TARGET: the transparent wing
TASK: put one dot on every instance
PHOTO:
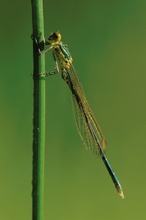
(87, 125)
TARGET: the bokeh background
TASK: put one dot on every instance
(107, 42)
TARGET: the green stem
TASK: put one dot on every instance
(39, 112)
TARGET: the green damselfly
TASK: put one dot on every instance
(87, 125)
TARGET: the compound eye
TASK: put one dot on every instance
(55, 37)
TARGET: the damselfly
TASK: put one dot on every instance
(87, 125)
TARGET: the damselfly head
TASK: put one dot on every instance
(55, 37)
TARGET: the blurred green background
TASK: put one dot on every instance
(107, 42)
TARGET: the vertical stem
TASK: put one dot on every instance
(39, 112)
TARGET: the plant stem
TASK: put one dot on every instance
(39, 112)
